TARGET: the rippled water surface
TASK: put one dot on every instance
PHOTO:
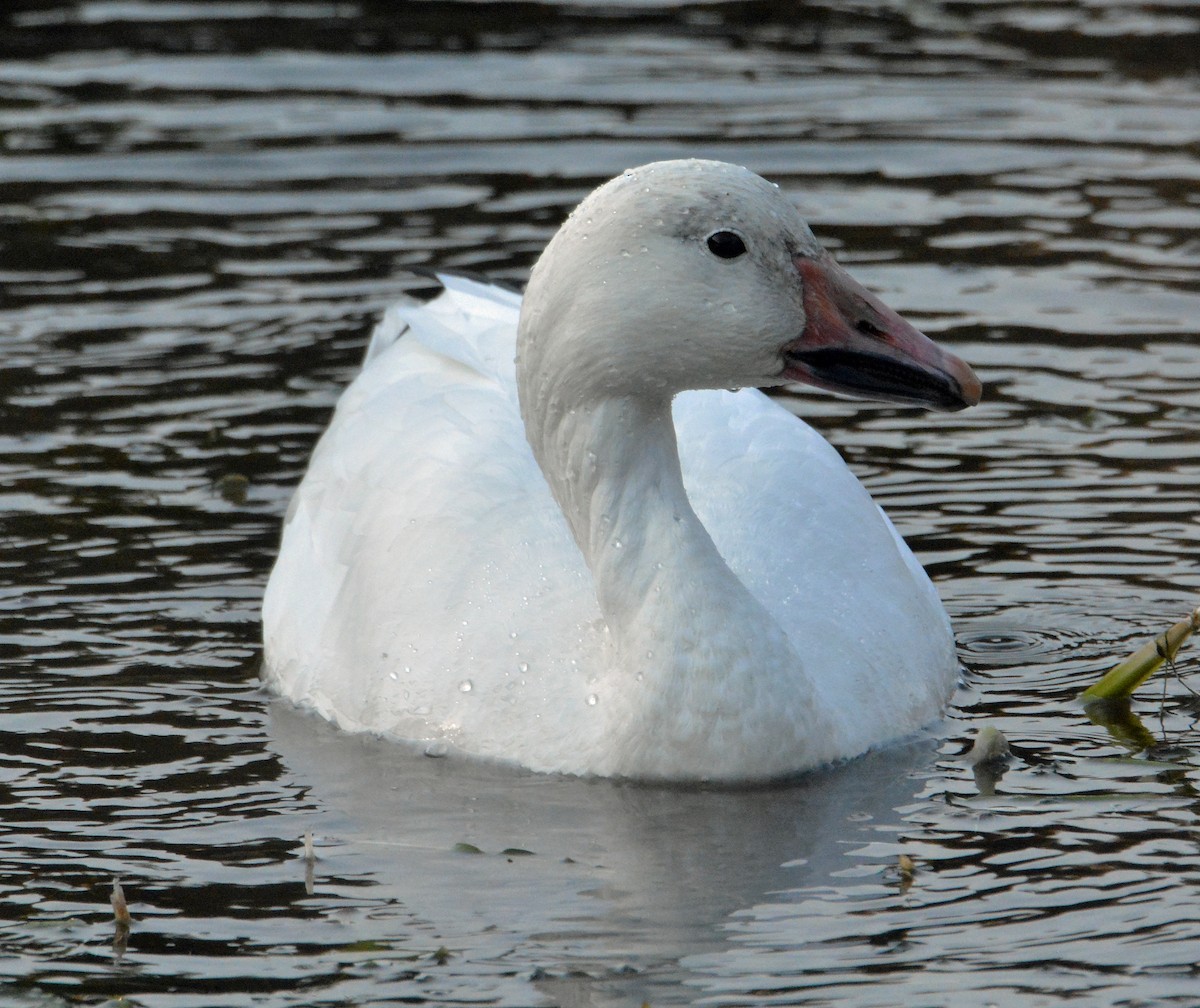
(203, 207)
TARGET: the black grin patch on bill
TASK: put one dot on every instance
(880, 377)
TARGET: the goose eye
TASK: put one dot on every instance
(726, 244)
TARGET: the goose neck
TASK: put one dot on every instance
(614, 469)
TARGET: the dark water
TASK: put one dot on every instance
(203, 207)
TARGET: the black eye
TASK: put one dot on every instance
(726, 244)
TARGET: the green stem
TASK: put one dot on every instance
(1121, 680)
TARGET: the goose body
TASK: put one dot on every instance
(545, 533)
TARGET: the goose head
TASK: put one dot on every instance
(699, 274)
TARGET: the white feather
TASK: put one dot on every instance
(429, 586)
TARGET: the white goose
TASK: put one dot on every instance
(535, 564)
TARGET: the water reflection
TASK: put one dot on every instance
(205, 207)
(658, 870)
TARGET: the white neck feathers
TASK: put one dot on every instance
(701, 672)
